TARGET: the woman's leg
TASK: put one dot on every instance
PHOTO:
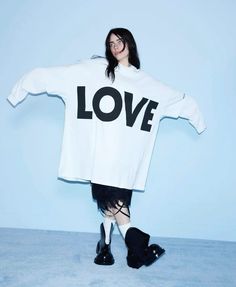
(122, 216)
(139, 251)
(108, 223)
(103, 250)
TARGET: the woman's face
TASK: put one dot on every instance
(116, 47)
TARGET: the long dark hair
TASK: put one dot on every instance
(128, 39)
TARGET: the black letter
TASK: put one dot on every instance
(111, 116)
(81, 113)
(148, 116)
(131, 116)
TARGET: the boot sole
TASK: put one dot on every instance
(104, 263)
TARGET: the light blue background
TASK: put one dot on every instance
(189, 45)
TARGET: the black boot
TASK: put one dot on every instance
(104, 255)
(139, 253)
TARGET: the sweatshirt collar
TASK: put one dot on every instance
(128, 70)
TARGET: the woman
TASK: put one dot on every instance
(112, 115)
(113, 201)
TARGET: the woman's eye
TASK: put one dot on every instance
(118, 42)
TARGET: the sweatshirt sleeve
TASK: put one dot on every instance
(186, 108)
(40, 80)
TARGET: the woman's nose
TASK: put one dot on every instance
(116, 46)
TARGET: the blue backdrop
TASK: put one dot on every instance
(189, 45)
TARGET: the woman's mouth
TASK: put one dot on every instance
(117, 53)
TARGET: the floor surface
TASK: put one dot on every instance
(36, 258)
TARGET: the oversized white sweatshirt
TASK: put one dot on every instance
(110, 128)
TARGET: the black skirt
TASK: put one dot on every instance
(109, 196)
